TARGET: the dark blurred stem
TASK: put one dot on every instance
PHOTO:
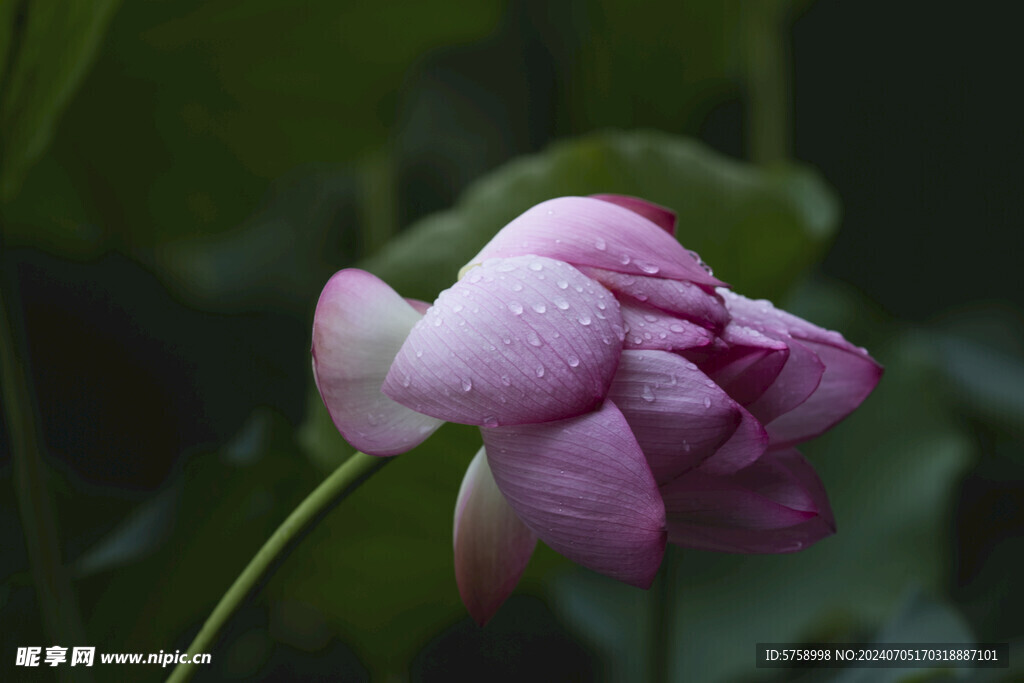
(57, 601)
(346, 479)
(663, 597)
(378, 203)
(768, 76)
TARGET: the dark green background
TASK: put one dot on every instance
(179, 179)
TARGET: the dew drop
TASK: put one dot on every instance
(561, 304)
(572, 360)
(536, 266)
(419, 353)
(505, 380)
(506, 340)
(467, 384)
(490, 421)
(650, 318)
(516, 308)
(601, 305)
(648, 394)
(707, 401)
(539, 307)
(600, 244)
(532, 339)
(648, 268)
(457, 307)
(584, 320)
(406, 380)
(625, 259)
(562, 284)
(506, 267)
(517, 286)
(578, 288)
(540, 371)
(686, 447)
(675, 327)
(437, 321)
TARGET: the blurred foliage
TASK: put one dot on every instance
(731, 213)
(46, 48)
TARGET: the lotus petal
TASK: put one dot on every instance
(492, 547)
(582, 485)
(359, 325)
(515, 341)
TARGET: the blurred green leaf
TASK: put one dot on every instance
(194, 106)
(46, 47)
(919, 620)
(890, 470)
(758, 228)
(224, 506)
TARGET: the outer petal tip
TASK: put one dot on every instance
(492, 546)
(359, 325)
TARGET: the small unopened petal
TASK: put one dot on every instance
(583, 486)
(359, 325)
(589, 232)
(492, 547)
(776, 505)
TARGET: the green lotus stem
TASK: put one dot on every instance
(343, 481)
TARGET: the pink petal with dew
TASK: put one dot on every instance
(849, 374)
(583, 486)
(679, 417)
(492, 547)
(776, 505)
(681, 298)
(659, 215)
(515, 341)
(590, 232)
(359, 325)
(650, 328)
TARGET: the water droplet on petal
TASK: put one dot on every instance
(506, 340)
(599, 244)
(406, 380)
(419, 353)
(573, 361)
(648, 394)
(516, 308)
(539, 307)
(490, 421)
(625, 259)
(601, 305)
(562, 284)
(707, 401)
(517, 286)
(584, 319)
(540, 370)
(648, 268)
(457, 307)
(562, 304)
(536, 266)
(505, 380)
(675, 327)
(467, 384)
(437, 321)
(532, 339)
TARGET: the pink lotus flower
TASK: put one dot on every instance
(625, 397)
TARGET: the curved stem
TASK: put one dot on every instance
(768, 82)
(343, 481)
